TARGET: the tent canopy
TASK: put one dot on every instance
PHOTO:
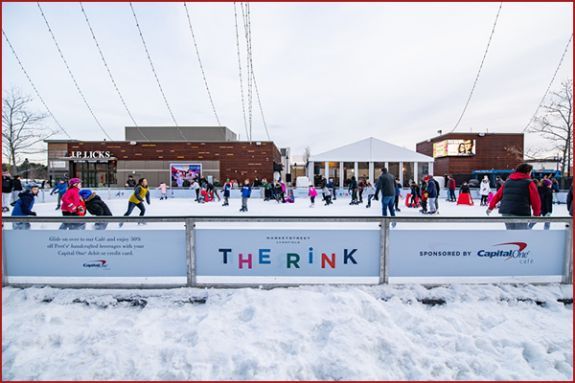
(370, 150)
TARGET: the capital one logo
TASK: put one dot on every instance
(97, 264)
(508, 251)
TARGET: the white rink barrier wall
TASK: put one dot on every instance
(281, 251)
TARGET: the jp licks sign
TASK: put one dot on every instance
(287, 253)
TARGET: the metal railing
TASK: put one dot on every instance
(385, 224)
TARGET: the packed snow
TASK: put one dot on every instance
(507, 332)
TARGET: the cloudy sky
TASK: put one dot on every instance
(328, 74)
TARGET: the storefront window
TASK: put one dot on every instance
(394, 169)
(348, 172)
(422, 169)
(407, 173)
(334, 172)
(363, 170)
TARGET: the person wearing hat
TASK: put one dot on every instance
(484, 190)
(95, 206)
(227, 188)
(73, 205)
(23, 206)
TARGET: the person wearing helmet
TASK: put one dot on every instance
(73, 205)
(23, 206)
(95, 206)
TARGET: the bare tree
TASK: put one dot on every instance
(555, 124)
(21, 128)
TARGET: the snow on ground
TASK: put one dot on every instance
(508, 332)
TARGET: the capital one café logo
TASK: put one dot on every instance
(508, 251)
(97, 264)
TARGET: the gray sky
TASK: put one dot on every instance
(329, 74)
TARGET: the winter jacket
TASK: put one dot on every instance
(437, 188)
(246, 191)
(163, 188)
(385, 184)
(352, 185)
(140, 193)
(484, 188)
(452, 184)
(432, 189)
(415, 190)
(518, 196)
(326, 192)
(24, 204)
(131, 183)
(60, 187)
(464, 189)
(499, 183)
(6, 185)
(312, 192)
(546, 196)
(96, 206)
(570, 200)
(227, 188)
(73, 203)
(397, 189)
(16, 184)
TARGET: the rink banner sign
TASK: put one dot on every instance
(96, 256)
(287, 256)
(432, 254)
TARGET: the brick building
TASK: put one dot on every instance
(157, 153)
(462, 153)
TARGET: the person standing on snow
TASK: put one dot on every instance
(431, 194)
(386, 184)
(227, 190)
(353, 190)
(246, 192)
(23, 206)
(163, 191)
(6, 191)
(398, 188)
(96, 207)
(452, 185)
(484, 190)
(137, 198)
(59, 188)
(73, 205)
(312, 193)
(518, 196)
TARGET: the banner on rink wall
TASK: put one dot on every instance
(430, 255)
(236, 256)
(95, 256)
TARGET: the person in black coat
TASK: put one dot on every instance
(16, 188)
(353, 190)
(95, 206)
(6, 191)
(570, 201)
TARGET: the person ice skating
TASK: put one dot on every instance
(452, 185)
(398, 194)
(73, 205)
(431, 195)
(327, 195)
(360, 187)
(545, 190)
(227, 191)
(195, 186)
(96, 207)
(353, 190)
(424, 195)
(498, 183)
(570, 201)
(331, 187)
(163, 190)
(213, 191)
(60, 188)
(6, 191)
(386, 185)
(16, 187)
(246, 192)
(312, 193)
(555, 190)
(414, 196)
(484, 190)
(518, 196)
(131, 182)
(465, 195)
(141, 193)
(23, 206)
(370, 190)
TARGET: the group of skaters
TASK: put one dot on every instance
(327, 189)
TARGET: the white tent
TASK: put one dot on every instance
(370, 150)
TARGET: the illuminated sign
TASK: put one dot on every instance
(454, 148)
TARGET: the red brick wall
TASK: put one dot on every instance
(238, 160)
(492, 152)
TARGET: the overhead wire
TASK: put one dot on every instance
(70, 72)
(201, 65)
(479, 71)
(109, 71)
(34, 86)
(550, 83)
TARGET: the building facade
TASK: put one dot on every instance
(110, 163)
(463, 153)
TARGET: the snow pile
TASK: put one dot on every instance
(314, 332)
